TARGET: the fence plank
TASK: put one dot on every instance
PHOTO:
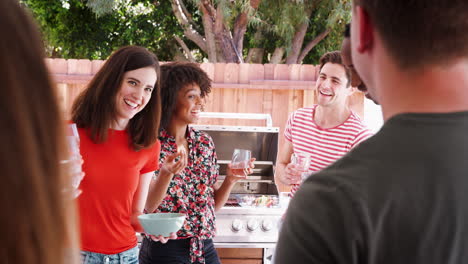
(209, 68)
(281, 72)
(82, 67)
(96, 66)
(307, 73)
(57, 66)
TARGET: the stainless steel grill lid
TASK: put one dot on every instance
(261, 141)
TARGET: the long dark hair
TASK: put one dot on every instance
(95, 107)
(34, 226)
(174, 77)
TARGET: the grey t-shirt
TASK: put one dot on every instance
(400, 197)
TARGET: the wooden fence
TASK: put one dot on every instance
(275, 89)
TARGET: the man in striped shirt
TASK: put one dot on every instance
(326, 131)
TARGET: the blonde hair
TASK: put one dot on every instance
(37, 220)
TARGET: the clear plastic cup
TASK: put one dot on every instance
(240, 159)
(301, 161)
(74, 160)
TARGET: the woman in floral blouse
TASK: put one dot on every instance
(192, 191)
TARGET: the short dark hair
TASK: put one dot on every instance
(421, 32)
(95, 107)
(174, 77)
(335, 57)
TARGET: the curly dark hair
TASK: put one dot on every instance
(174, 77)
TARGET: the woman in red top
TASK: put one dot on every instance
(117, 118)
(192, 191)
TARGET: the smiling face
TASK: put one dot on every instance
(189, 105)
(332, 85)
(134, 93)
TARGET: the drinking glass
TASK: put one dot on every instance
(240, 159)
(284, 198)
(301, 161)
(73, 162)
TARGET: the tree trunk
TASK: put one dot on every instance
(185, 48)
(312, 44)
(185, 22)
(277, 56)
(255, 55)
(298, 39)
(240, 26)
(225, 48)
(223, 39)
(179, 56)
(297, 42)
(208, 26)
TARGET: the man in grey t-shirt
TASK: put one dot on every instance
(401, 196)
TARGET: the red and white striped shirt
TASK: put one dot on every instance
(323, 145)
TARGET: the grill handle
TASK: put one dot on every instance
(266, 117)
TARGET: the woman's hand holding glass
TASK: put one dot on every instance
(241, 165)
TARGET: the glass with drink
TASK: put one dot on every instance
(73, 162)
(240, 159)
(301, 162)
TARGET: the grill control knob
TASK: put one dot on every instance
(236, 225)
(252, 224)
(267, 225)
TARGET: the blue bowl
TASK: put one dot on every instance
(161, 223)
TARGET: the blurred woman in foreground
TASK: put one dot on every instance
(37, 220)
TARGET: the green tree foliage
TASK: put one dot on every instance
(302, 30)
(72, 30)
(337, 13)
(280, 21)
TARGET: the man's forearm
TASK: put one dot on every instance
(279, 173)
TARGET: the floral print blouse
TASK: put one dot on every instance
(192, 191)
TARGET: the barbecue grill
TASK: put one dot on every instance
(250, 218)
